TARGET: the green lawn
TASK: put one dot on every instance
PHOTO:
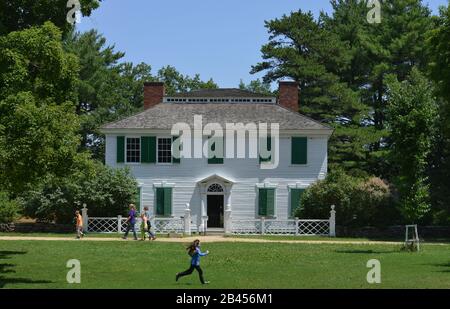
(42, 264)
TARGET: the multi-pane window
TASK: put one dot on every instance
(164, 150)
(133, 149)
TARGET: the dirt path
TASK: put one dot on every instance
(205, 239)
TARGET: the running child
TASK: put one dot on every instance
(195, 253)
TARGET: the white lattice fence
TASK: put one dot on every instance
(246, 227)
(277, 227)
(314, 227)
(168, 225)
(282, 227)
(119, 225)
(103, 224)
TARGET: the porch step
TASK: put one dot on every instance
(215, 231)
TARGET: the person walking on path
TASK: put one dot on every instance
(131, 220)
(79, 224)
(144, 226)
(195, 253)
(151, 236)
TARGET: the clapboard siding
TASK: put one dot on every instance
(245, 172)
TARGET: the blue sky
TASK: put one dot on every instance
(218, 39)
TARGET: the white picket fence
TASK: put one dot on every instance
(262, 226)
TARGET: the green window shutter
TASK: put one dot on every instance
(270, 202)
(167, 201)
(160, 201)
(138, 199)
(148, 149)
(175, 152)
(299, 150)
(120, 149)
(214, 160)
(296, 195)
(269, 147)
(262, 202)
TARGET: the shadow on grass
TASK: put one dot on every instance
(445, 266)
(5, 268)
(365, 251)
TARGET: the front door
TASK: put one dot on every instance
(215, 210)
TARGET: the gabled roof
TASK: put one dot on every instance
(164, 115)
(217, 177)
(218, 93)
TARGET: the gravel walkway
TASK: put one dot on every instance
(205, 239)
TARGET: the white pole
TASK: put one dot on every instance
(227, 219)
(84, 214)
(119, 224)
(332, 222)
(187, 220)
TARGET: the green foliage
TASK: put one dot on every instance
(34, 60)
(9, 209)
(412, 112)
(439, 70)
(16, 15)
(301, 48)
(256, 86)
(106, 192)
(341, 62)
(37, 121)
(106, 90)
(358, 202)
(175, 82)
(36, 139)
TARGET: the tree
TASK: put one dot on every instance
(392, 47)
(303, 49)
(16, 15)
(256, 86)
(177, 82)
(34, 60)
(438, 44)
(412, 113)
(106, 89)
(38, 125)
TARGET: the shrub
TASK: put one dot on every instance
(105, 191)
(9, 209)
(359, 202)
(373, 203)
(336, 189)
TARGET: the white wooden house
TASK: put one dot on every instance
(217, 190)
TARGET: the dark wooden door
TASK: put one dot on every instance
(215, 210)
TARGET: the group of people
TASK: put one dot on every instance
(193, 249)
(145, 224)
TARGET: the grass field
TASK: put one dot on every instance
(42, 264)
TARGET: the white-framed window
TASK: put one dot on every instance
(133, 149)
(164, 152)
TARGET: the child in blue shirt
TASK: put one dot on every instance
(195, 253)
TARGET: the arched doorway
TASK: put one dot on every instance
(215, 205)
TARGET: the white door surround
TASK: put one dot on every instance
(215, 185)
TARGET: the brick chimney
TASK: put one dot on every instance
(288, 95)
(153, 94)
